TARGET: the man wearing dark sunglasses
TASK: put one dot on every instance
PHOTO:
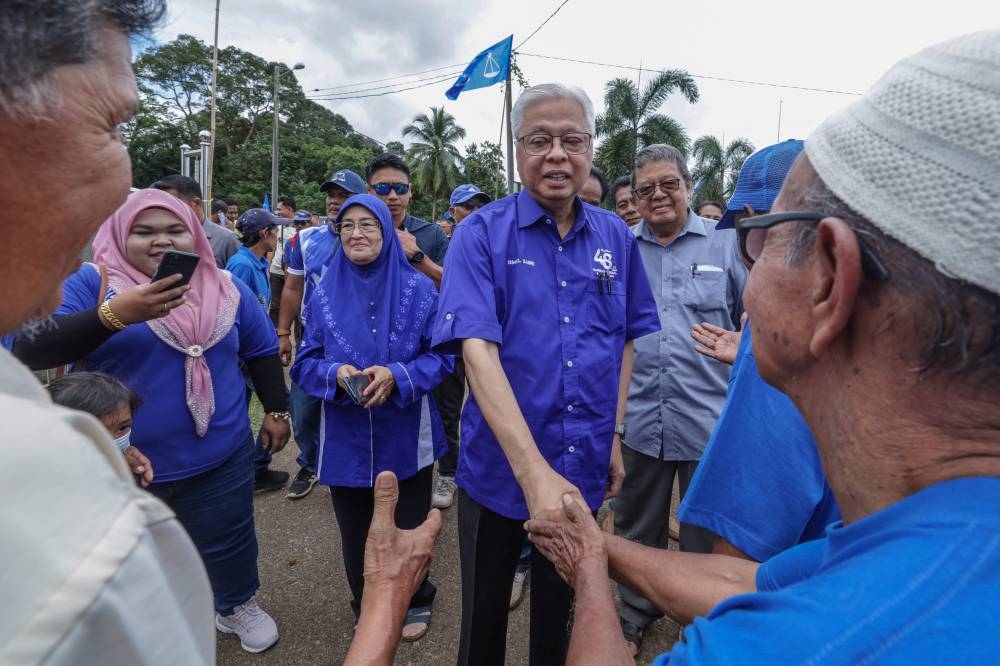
(425, 244)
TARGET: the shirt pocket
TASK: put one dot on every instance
(706, 291)
(606, 311)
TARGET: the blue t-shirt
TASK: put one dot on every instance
(308, 258)
(560, 311)
(760, 484)
(915, 583)
(252, 272)
(163, 428)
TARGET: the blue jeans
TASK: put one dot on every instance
(216, 509)
(524, 561)
(306, 411)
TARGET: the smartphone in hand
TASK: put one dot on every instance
(175, 261)
(354, 385)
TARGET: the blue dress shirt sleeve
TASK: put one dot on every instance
(641, 316)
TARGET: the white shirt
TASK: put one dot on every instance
(93, 570)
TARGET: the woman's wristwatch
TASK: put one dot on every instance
(620, 431)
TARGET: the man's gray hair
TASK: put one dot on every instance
(547, 91)
(42, 35)
(661, 152)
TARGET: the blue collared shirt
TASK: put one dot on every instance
(252, 271)
(560, 328)
(676, 394)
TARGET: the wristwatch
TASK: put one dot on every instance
(417, 257)
(620, 430)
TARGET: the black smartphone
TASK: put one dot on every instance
(175, 261)
(355, 385)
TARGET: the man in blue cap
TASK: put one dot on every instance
(761, 452)
(465, 200)
(307, 260)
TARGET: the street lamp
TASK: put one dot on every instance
(274, 137)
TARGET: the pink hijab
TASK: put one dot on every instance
(211, 305)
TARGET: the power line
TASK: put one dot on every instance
(387, 92)
(390, 78)
(335, 95)
(542, 25)
(696, 76)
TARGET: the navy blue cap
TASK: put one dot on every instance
(256, 219)
(346, 180)
(760, 180)
(447, 215)
(463, 193)
(302, 215)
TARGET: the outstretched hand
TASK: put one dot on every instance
(569, 543)
(718, 343)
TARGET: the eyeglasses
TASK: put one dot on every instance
(540, 143)
(383, 189)
(368, 227)
(666, 186)
(752, 233)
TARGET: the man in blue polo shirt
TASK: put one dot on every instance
(542, 295)
(306, 264)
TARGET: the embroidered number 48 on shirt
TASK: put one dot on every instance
(603, 257)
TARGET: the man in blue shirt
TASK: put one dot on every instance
(876, 312)
(761, 451)
(676, 394)
(306, 264)
(542, 296)
(250, 263)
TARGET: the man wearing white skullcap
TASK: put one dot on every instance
(875, 305)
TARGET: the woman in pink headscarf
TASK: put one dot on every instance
(180, 348)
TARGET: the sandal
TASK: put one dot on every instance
(633, 637)
(418, 621)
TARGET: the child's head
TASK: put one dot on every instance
(102, 395)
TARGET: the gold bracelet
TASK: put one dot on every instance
(281, 416)
(110, 317)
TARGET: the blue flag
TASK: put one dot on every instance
(267, 202)
(489, 67)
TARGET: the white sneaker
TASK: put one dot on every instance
(517, 589)
(256, 629)
(444, 492)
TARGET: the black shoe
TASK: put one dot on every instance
(269, 479)
(633, 637)
(303, 484)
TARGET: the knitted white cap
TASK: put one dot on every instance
(919, 156)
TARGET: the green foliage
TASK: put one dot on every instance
(484, 166)
(631, 120)
(433, 157)
(716, 169)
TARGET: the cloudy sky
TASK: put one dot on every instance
(350, 46)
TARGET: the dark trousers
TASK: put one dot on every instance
(354, 508)
(449, 396)
(216, 509)
(642, 514)
(277, 286)
(489, 548)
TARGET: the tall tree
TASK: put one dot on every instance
(717, 167)
(484, 167)
(433, 155)
(631, 119)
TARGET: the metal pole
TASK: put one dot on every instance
(185, 168)
(274, 144)
(780, 103)
(510, 138)
(211, 127)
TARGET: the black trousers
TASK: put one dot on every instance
(277, 286)
(489, 546)
(449, 396)
(354, 508)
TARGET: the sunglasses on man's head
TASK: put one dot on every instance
(383, 189)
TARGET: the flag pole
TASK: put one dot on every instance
(207, 187)
(510, 134)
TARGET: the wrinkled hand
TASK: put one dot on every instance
(285, 349)
(345, 371)
(397, 561)
(616, 470)
(381, 386)
(543, 493)
(140, 465)
(274, 433)
(148, 301)
(569, 543)
(718, 343)
(408, 241)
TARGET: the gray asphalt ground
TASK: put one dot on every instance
(303, 586)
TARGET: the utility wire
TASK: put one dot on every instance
(696, 76)
(390, 78)
(542, 25)
(336, 95)
(387, 92)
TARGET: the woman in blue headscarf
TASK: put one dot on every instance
(371, 315)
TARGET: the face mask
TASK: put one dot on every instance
(123, 442)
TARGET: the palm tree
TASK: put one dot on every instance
(716, 168)
(631, 119)
(434, 155)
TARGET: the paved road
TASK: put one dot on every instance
(304, 587)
